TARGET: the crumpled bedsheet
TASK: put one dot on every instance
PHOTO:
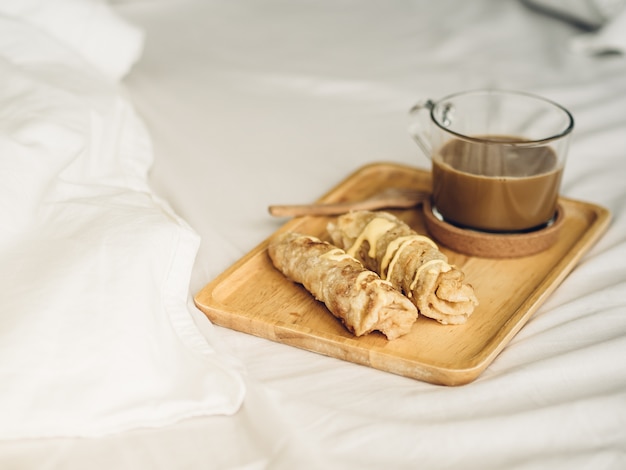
(96, 334)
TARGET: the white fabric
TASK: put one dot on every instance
(255, 102)
(95, 333)
(590, 14)
(88, 27)
(611, 38)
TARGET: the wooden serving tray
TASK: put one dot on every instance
(253, 297)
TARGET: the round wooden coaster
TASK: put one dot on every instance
(492, 245)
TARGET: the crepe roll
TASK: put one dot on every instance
(356, 296)
(410, 261)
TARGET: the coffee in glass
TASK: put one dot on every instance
(497, 158)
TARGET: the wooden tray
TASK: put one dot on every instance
(253, 297)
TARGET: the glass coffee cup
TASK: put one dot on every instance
(497, 158)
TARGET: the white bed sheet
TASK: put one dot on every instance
(251, 103)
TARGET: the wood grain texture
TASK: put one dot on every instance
(253, 297)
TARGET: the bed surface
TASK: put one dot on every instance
(248, 104)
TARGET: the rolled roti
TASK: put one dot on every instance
(411, 262)
(353, 294)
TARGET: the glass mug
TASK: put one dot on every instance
(497, 158)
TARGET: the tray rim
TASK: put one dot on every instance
(219, 313)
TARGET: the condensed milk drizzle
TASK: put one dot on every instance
(376, 228)
(395, 248)
(336, 254)
(371, 233)
(445, 267)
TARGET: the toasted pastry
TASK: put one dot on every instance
(355, 295)
(410, 261)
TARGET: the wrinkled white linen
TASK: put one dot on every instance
(611, 38)
(95, 333)
(251, 103)
(604, 22)
(281, 102)
(88, 27)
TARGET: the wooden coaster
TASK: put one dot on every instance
(492, 245)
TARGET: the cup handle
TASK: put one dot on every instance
(418, 128)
